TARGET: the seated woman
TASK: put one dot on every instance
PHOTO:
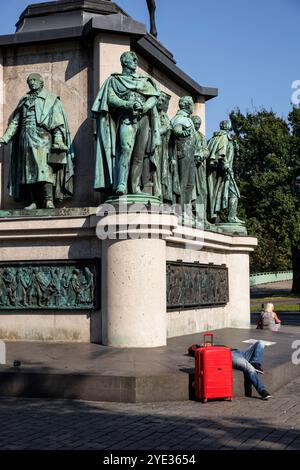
(269, 319)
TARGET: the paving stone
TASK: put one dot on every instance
(34, 424)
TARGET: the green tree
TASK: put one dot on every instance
(266, 168)
(294, 120)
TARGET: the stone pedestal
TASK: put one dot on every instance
(134, 280)
(133, 250)
(134, 300)
(232, 228)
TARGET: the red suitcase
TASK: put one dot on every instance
(213, 372)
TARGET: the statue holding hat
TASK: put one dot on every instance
(42, 158)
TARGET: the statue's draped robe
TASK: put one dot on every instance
(32, 129)
(108, 120)
(182, 150)
(220, 184)
(163, 177)
(200, 190)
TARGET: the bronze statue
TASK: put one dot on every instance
(162, 178)
(223, 192)
(200, 196)
(184, 150)
(152, 7)
(127, 129)
(42, 167)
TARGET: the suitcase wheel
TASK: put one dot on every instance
(204, 400)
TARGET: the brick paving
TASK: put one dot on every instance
(38, 424)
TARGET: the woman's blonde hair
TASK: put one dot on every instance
(269, 307)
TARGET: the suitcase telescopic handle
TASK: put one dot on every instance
(211, 339)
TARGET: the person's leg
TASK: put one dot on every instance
(127, 139)
(255, 354)
(48, 195)
(183, 179)
(233, 200)
(240, 363)
(139, 154)
(146, 176)
(31, 191)
(191, 181)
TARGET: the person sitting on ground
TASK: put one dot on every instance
(269, 319)
(250, 362)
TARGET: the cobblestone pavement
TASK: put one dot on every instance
(245, 423)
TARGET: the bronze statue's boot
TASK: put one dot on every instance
(208, 225)
(232, 217)
(48, 196)
(123, 177)
(139, 191)
(148, 188)
(50, 205)
(121, 189)
(33, 204)
(135, 178)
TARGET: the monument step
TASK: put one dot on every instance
(99, 373)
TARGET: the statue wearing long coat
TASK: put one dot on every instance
(36, 123)
(220, 179)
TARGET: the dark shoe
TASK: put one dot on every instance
(265, 395)
(258, 368)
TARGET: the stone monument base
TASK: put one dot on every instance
(128, 199)
(139, 300)
(96, 373)
(232, 228)
(39, 213)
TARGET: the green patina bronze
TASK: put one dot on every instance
(162, 179)
(200, 189)
(48, 286)
(142, 199)
(128, 131)
(42, 167)
(223, 192)
(184, 152)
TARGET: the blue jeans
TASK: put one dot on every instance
(243, 361)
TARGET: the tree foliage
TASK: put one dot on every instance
(266, 168)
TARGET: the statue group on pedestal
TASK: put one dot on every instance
(139, 149)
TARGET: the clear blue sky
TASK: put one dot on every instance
(247, 49)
